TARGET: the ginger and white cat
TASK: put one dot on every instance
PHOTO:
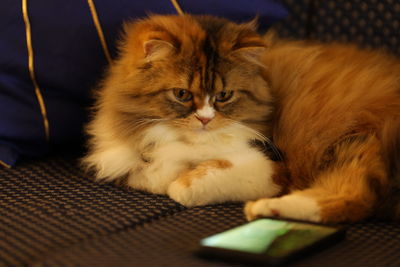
(180, 110)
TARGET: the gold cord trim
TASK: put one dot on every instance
(2, 163)
(32, 70)
(177, 7)
(99, 30)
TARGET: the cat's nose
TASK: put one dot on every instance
(204, 120)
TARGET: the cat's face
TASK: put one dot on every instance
(198, 74)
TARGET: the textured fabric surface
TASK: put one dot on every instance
(297, 24)
(366, 244)
(52, 214)
(369, 23)
(172, 240)
(51, 204)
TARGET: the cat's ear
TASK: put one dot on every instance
(252, 24)
(251, 52)
(156, 49)
(249, 45)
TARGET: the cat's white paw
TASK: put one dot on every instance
(290, 206)
(199, 186)
(183, 194)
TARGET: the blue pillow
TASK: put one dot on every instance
(68, 59)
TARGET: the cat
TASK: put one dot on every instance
(337, 124)
(182, 109)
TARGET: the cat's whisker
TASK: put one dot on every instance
(259, 135)
(179, 123)
(146, 121)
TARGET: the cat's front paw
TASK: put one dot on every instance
(198, 186)
(183, 194)
(290, 206)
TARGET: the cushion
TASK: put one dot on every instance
(45, 108)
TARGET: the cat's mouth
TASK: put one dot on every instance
(196, 126)
(200, 128)
(203, 128)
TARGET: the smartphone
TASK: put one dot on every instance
(270, 241)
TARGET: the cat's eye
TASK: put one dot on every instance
(224, 96)
(183, 95)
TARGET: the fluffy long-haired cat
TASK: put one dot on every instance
(182, 108)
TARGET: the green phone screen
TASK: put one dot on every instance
(274, 238)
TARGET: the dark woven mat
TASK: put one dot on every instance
(171, 241)
(50, 204)
(52, 215)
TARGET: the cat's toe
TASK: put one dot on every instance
(257, 209)
(182, 194)
(248, 210)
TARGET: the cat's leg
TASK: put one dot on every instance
(159, 167)
(300, 205)
(323, 202)
(243, 177)
(347, 192)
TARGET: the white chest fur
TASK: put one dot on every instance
(156, 161)
(164, 152)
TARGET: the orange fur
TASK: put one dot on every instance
(332, 103)
(201, 170)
